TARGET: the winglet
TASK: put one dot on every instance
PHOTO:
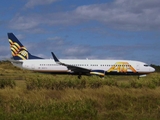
(55, 58)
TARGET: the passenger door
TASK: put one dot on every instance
(137, 66)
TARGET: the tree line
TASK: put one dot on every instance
(157, 67)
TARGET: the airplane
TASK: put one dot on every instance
(23, 59)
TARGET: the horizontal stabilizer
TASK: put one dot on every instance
(14, 61)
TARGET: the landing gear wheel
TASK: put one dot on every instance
(79, 76)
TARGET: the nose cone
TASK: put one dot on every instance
(151, 69)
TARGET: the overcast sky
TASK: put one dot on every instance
(94, 29)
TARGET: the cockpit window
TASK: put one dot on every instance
(146, 65)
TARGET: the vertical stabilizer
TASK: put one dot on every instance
(19, 52)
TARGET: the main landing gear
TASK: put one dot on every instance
(79, 76)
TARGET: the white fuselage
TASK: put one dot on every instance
(109, 66)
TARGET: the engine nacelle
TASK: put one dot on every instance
(98, 72)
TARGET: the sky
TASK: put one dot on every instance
(80, 29)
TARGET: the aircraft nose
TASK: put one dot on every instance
(151, 69)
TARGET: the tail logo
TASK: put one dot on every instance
(18, 51)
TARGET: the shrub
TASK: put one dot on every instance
(136, 84)
(7, 83)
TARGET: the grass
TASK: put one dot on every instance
(45, 97)
(102, 103)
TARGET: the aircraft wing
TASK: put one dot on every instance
(71, 67)
(80, 70)
(76, 69)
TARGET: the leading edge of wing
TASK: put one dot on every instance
(71, 67)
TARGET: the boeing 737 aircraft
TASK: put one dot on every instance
(23, 59)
